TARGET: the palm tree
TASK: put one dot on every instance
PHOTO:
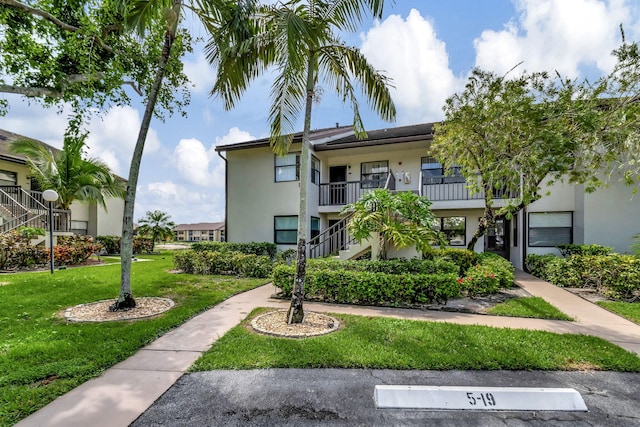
(401, 219)
(157, 225)
(140, 15)
(300, 38)
(72, 175)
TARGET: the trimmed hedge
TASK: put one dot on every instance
(364, 287)
(615, 276)
(253, 248)
(393, 266)
(400, 282)
(227, 262)
(592, 249)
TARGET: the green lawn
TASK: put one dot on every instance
(383, 343)
(535, 307)
(629, 310)
(42, 356)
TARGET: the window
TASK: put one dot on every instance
(374, 174)
(315, 170)
(315, 226)
(434, 173)
(288, 167)
(80, 227)
(549, 229)
(285, 230)
(8, 178)
(454, 228)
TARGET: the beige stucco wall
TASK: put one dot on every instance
(611, 217)
(101, 222)
(254, 197)
(22, 172)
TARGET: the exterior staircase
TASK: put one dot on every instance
(21, 208)
(336, 241)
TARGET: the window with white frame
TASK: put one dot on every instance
(549, 229)
(454, 229)
(287, 167)
(285, 229)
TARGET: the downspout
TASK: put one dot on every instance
(226, 196)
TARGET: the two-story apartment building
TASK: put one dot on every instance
(21, 201)
(262, 196)
(202, 231)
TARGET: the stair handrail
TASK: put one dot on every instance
(21, 220)
(15, 202)
(390, 179)
(321, 238)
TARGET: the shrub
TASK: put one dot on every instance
(480, 280)
(111, 244)
(593, 249)
(463, 258)
(615, 276)
(394, 266)
(499, 266)
(537, 264)
(253, 248)
(227, 262)
(364, 287)
(16, 251)
(71, 250)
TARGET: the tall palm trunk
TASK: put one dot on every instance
(125, 299)
(296, 311)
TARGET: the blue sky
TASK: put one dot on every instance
(426, 47)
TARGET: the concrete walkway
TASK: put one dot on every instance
(126, 390)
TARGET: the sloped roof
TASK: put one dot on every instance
(317, 136)
(344, 137)
(6, 138)
(200, 226)
(420, 132)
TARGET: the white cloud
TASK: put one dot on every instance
(113, 136)
(410, 52)
(562, 35)
(201, 166)
(234, 135)
(182, 203)
(200, 73)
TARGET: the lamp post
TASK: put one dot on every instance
(50, 196)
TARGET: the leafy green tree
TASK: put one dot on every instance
(78, 53)
(157, 225)
(69, 172)
(401, 219)
(301, 39)
(225, 17)
(509, 135)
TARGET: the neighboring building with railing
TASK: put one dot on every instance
(21, 202)
(262, 196)
(202, 231)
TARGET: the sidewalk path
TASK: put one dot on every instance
(126, 390)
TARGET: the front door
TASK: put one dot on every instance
(497, 238)
(337, 185)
